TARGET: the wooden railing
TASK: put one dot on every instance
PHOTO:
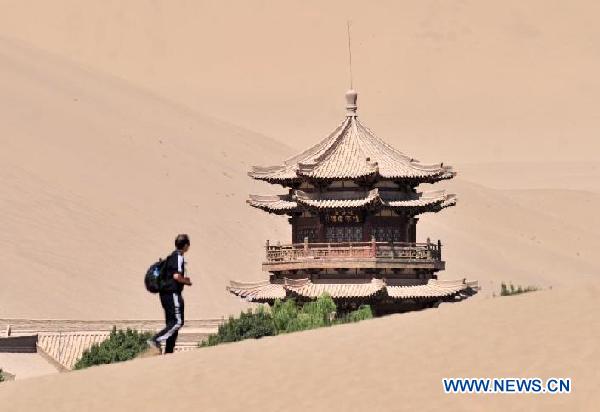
(385, 250)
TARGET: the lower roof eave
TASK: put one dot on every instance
(267, 292)
(260, 292)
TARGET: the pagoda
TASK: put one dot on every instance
(353, 203)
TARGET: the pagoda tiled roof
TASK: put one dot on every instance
(267, 292)
(351, 151)
(420, 201)
(273, 203)
(306, 288)
(324, 202)
(433, 288)
(262, 291)
(67, 347)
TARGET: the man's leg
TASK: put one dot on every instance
(166, 300)
(173, 305)
(170, 344)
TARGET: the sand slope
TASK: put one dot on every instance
(109, 147)
(545, 237)
(453, 81)
(392, 363)
(26, 365)
(535, 175)
(98, 176)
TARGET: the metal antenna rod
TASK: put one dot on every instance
(349, 52)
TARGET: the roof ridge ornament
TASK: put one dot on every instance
(351, 94)
(351, 107)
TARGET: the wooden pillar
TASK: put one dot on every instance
(412, 229)
(294, 221)
(321, 231)
(406, 229)
(367, 228)
(373, 247)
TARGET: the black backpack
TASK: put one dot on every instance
(154, 276)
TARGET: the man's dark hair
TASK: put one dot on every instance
(181, 241)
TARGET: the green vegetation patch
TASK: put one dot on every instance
(120, 346)
(284, 317)
(1, 376)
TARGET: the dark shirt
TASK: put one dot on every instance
(175, 264)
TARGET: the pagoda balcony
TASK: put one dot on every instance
(353, 255)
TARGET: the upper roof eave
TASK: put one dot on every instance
(289, 179)
(432, 201)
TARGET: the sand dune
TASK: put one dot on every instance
(97, 178)
(124, 123)
(26, 365)
(392, 363)
(583, 176)
(532, 237)
(98, 175)
(460, 81)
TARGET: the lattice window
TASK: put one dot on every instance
(344, 233)
(388, 234)
(310, 232)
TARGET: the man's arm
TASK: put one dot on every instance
(178, 276)
(182, 279)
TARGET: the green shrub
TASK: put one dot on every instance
(1, 376)
(284, 312)
(362, 313)
(509, 290)
(284, 317)
(250, 324)
(311, 315)
(120, 346)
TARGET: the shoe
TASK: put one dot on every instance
(153, 349)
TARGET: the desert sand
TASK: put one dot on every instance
(91, 165)
(462, 80)
(122, 124)
(392, 363)
(26, 365)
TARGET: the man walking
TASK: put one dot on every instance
(173, 281)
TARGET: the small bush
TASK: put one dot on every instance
(249, 325)
(120, 346)
(362, 313)
(311, 315)
(1, 376)
(284, 317)
(284, 312)
(510, 289)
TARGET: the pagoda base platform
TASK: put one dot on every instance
(383, 296)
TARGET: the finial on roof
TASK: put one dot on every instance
(351, 97)
(349, 54)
